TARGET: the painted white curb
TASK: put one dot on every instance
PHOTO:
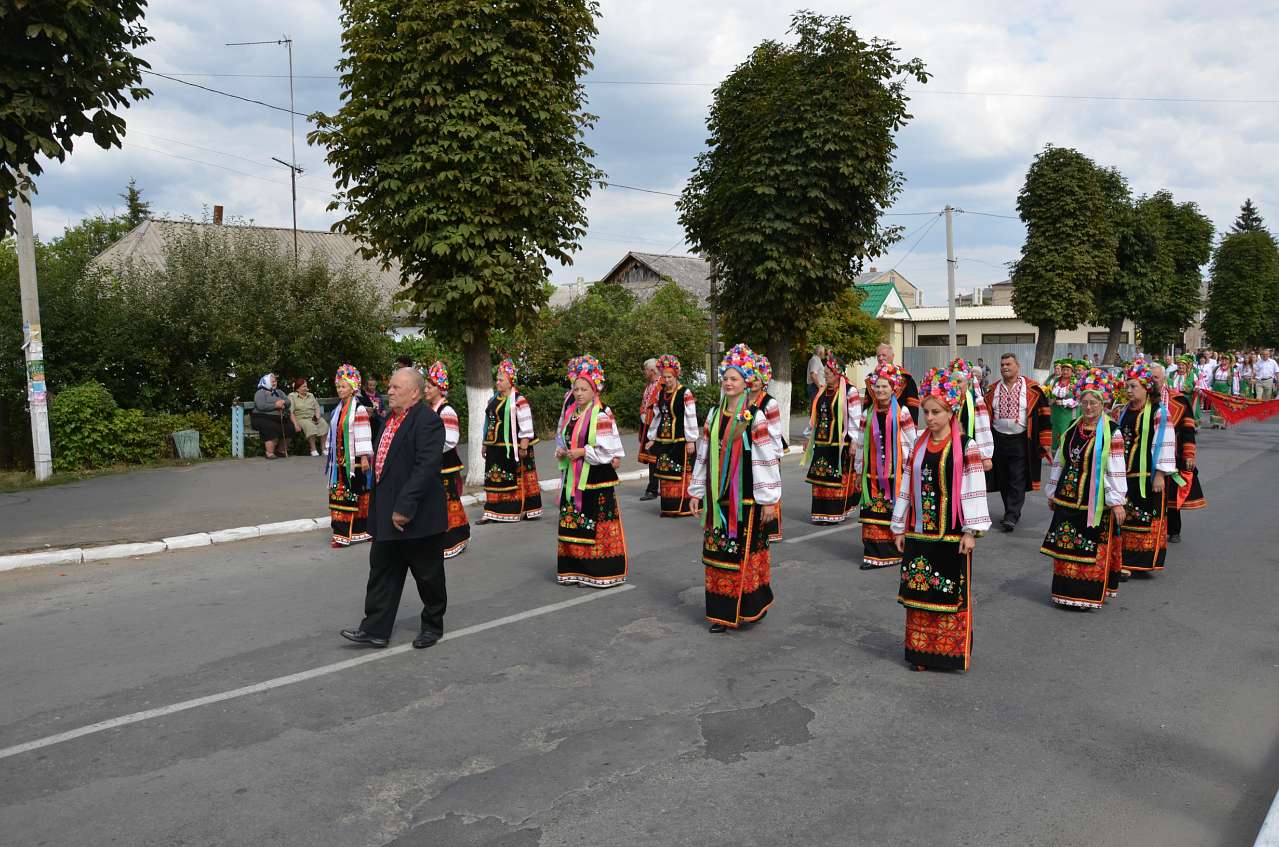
(73, 556)
(288, 527)
(236, 533)
(123, 551)
(1269, 835)
(77, 555)
(183, 542)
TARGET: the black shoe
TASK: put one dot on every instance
(1008, 526)
(867, 567)
(1174, 539)
(425, 639)
(718, 627)
(648, 495)
(359, 636)
(483, 521)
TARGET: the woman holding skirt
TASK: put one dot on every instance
(1151, 457)
(458, 534)
(737, 477)
(592, 543)
(936, 522)
(1061, 397)
(886, 435)
(759, 397)
(832, 422)
(1087, 489)
(349, 461)
(511, 489)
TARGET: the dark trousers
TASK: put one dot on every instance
(389, 564)
(1173, 514)
(1010, 472)
(652, 479)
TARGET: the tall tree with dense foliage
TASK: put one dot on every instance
(458, 153)
(786, 202)
(1249, 219)
(1071, 245)
(1242, 290)
(136, 210)
(66, 69)
(1186, 233)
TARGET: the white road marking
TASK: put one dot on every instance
(831, 531)
(301, 676)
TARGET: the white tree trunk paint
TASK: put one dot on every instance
(477, 398)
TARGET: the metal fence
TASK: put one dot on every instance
(919, 360)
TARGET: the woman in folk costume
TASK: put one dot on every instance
(592, 544)
(1225, 380)
(648, 411)
(672, 437)
(348, 464)
(1150, 444)
(1186, 492)
(1087, 489)
(886, 436)
(511, 489)
(458, 534)
(973, 415)
(936, 523)
(759, 397)
(1061, 397)
(738, 477)
(832, 427)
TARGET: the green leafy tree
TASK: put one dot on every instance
(1071, 246)
(1243, 280)
(786, 202)
(66, 71)
(1186, 233)
(136, 210)
(458, 153)
(1249, 219)
(842, 326)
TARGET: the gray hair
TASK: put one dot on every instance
(650, 363)
(416, 380)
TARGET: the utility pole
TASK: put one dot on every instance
(32, 343)
(294, 170)
(950, 279)
(292, 164)
(712, 374)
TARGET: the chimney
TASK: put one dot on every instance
(217, 216)
(979, 295)
(874, 269)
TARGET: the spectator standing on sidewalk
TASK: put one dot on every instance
(308, 417)
(271, 417)
(816, 372)
(407, 515)
(1265, 372)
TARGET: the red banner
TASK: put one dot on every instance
(1235, 410)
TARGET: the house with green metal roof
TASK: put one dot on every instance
(882, 301)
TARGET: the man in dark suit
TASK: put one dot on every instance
(407, 516)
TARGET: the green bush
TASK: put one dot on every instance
(547, 402)
(215, 433)
(82, 427)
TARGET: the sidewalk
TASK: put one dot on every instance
(147, 505)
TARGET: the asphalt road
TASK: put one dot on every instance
(620, 720)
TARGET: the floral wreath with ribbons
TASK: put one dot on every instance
(667, 362)
(739, 358)
(438, 375)
(348, 374)
(586, 367)
(940, 383)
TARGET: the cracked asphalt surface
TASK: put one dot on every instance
(622, 721)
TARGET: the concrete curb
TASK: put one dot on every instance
(86, 555)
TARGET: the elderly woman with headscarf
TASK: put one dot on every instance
(308, 417)
(272, 417)
(592, 543)
(349, 462)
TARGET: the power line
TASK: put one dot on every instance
(198, 147)
(633, 188)
(988, 214)
(926, 229)
(221, 167)
(226, 94)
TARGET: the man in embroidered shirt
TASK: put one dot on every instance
(1263, 375)
(1013, 404)
(407, 516)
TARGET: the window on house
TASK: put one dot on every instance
(961, 339)
(1104, 338)
(1007, 338)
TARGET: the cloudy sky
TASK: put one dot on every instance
(1173, 93)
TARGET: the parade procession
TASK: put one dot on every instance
(911, 461)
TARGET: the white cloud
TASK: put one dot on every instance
(968, 150)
